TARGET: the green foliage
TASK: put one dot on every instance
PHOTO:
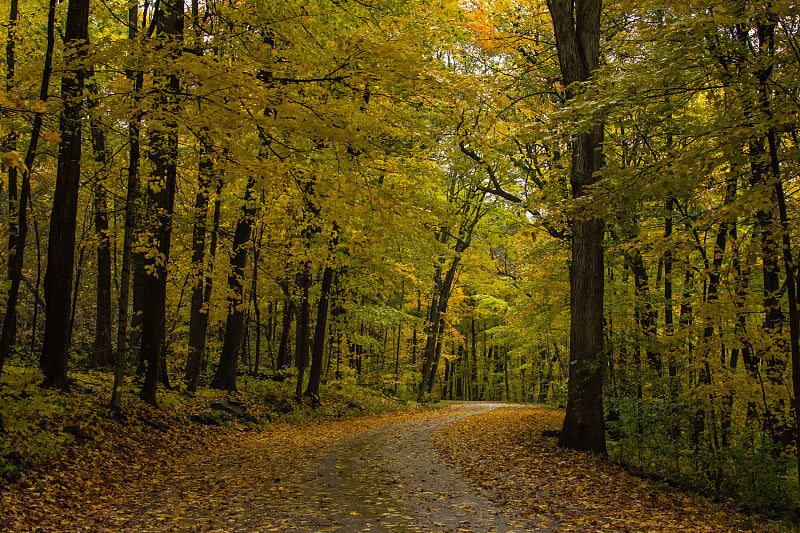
(660, 437)
(32, 423)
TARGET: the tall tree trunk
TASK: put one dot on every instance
(254, 298)
(161, 198)
(320, 330)
(63, 218)
(669, 318)
(433, 347)
(198, 312)
(646, 313)
(577, 31)
(131, 199)
(131, 221)
(302, 326)
(11, 145)
(18, 228)
(103, 352)
(284, 357)
(225, 377)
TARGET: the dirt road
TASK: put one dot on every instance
(383, 478)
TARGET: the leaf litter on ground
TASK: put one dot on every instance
(171, 474)
(506, 453)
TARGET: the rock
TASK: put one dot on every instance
(207, 419)
(14, 455)
(283, 407)
(78, 432)
(352, 404)
(230, 409)
(237, 409)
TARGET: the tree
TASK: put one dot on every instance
(225, 377)
(161, 194)
(19, 200)
(61, 247)
(577, 29)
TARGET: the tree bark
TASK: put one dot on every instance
(161, 198)
(198, 312)
(131, 199)
(103, 352)
(11, 144)
(225, 377)
(302, 326)
(18, 229)
(284, 357)
(63, 218)
(439, 303)
(320, 330)
(577, 31)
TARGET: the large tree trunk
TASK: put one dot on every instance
(225, 377)
(433, 346)
(577, 31)
(161, 199)
(63, 218)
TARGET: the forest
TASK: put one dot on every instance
(587, 204)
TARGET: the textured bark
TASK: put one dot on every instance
(577, 31)
(63, 218)
(198, 312)
(161, 200)
(320, 330)
(225, 377)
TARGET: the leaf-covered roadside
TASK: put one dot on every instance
(505, 453)
(76, 458)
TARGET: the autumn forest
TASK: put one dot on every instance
(587, 204)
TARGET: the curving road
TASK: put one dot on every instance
(387, 478)
(391, 479)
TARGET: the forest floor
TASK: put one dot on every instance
(468, 467)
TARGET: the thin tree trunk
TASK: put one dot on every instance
(18, 229)
(254, 298)
(302, 327)
(198, 313)
(103, 352)
(284, 357)
(132, 196)
(320, 330)
(225, 377)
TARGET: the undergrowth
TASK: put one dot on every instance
(39, 426)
